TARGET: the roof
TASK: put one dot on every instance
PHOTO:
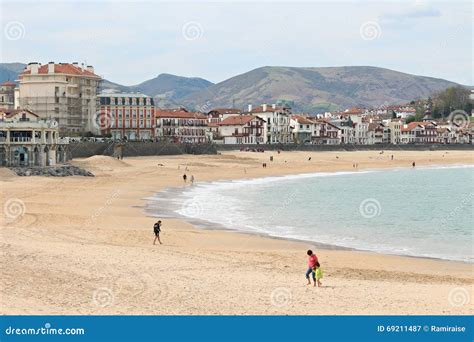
(302, 120)
(354, 111)
(414, 124)
(10, 113)
(63, 68)
(226, 111)
(238, 120)
(8, 84)
(178, 113)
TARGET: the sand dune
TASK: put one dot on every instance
(82, 245)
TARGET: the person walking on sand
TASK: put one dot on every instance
(192, 179)
(157, 230)
(185, 177)
(312, 262)
(413, 164)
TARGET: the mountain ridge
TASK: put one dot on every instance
(306, 89)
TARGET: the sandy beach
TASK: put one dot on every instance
(83, 245)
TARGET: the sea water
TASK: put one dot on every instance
(426, 212)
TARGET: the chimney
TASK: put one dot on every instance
(274, 106)
(82, 66)
(33, 66)
(250, 107)
(264, 107)
(51, 68)
(90, 68)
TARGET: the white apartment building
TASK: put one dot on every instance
(241, 129)
(277, 123)
(302, 128)
(64, 92)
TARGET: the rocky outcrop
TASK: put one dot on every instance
(52, 171)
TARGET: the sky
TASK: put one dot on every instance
(129, 42)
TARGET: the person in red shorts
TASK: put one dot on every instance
(312, 263)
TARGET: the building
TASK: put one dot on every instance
(66, 93)
(7, 95)
(419, 133)
(277, 123)
(376, 133)
(326, 133)
(242, 129)
(219, 114)
(181, 126)
(395, 127)
(27, 140)
(126, 116)
(302, 128)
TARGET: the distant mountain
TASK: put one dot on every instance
(317, 89)
(171, 86)
(304, 89)
(10, 71)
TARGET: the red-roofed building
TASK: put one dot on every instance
(241, 129)
(180, 126)
(64, 92)
(416, 132)
(128, 116)
(302, 128)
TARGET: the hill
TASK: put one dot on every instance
(317, 89)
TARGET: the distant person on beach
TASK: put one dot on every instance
(185, 177)
(312, 262)
(413, 164)
(192, 179)
(392, 156)
(157, 230)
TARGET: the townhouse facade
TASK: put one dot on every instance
(180, 126)
(128, 116)
(241, 129)
(277, 123)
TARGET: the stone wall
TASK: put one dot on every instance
(130, 149)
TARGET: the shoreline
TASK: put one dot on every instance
(170, 212)
(84, 236)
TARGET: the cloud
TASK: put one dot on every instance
(409, 16)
